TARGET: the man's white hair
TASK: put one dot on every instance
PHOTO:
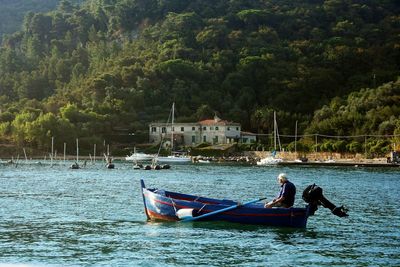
(282, 177)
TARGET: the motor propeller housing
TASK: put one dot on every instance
(314, 197)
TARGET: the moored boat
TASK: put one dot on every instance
(138, 156)
(174, 159)
(269, 161)
(165, 205)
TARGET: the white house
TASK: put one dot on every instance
(213, 131)
(248, 138)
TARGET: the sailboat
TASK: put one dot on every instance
(272, 160)
(109, 164)
(174, 157)
(75, 165)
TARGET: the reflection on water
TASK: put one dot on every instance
(94, 216)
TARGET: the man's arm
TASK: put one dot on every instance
(277, 200)
(273, 202)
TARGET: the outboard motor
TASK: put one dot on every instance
(314, 197)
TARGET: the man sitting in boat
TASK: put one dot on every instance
(285, 199)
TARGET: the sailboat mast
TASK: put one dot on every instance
(295, 139)
(274, 130)
(172, 127)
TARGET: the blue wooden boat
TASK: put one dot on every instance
(165, 205)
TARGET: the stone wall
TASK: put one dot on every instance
(314, 156)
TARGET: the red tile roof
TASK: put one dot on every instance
(216, 122)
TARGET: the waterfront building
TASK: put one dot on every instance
(214, 131)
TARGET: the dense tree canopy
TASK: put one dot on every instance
(107, 65)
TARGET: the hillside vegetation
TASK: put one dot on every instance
(12, 12)
(107, 68)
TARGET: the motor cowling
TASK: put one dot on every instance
(314, 197)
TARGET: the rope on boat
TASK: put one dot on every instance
(173, 204)
(202, 208)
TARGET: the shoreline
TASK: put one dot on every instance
(244, 160)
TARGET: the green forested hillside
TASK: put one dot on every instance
(12, 12)
(110, 67)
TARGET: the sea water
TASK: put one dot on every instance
(55, 216)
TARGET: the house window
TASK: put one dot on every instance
(216, 139)
(163, 129)
(237, 128)
(153, 129)
(204, 138)
(193, 139)
(216, 128)
(182, 129)
(204, 128)
(229, 128)
(193, 128)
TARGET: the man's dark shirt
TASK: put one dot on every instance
(288, 190)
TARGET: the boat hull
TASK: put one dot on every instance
(172, 159)
(162, 205)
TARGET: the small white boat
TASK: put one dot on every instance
(269, 161)
(176, 159)
(139, 156)
(272, 160)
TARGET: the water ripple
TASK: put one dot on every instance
(94, 217)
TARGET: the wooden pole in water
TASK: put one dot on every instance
(77, 150)
(104, 148)
(52, 150)
(26, 158)
(65, 150)
(94, 153)
(16, 162)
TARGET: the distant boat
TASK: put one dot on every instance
(174, 157)
(75, 166)
(137, 166)
(271, 160)
(109, 164)
(155, 166)
(139, 156)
